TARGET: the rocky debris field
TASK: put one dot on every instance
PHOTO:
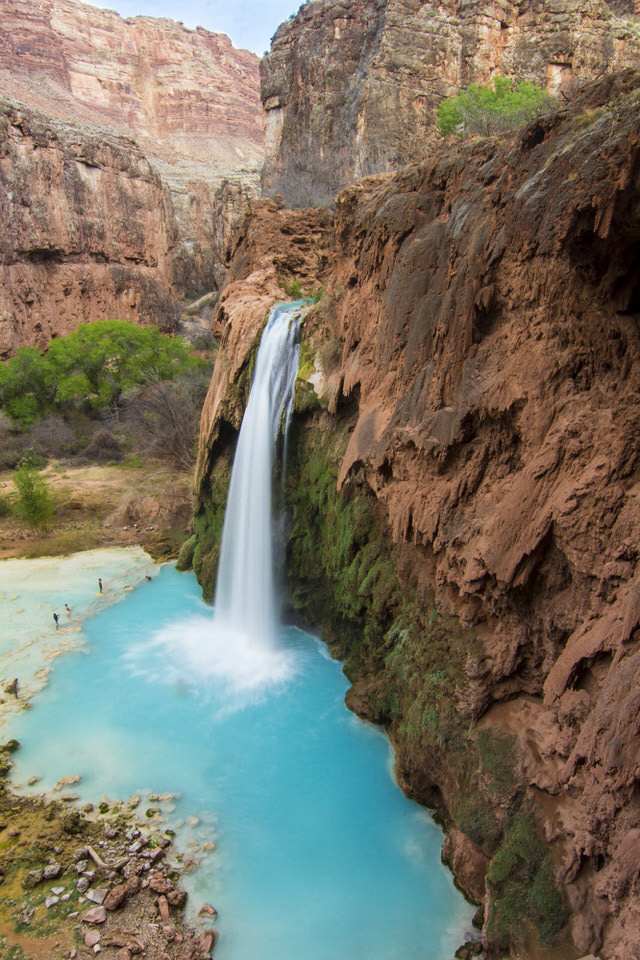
(75, 883)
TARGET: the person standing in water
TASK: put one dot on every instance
(99, 584)
(67, 609)
(56, 618)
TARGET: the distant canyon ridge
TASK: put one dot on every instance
(130, 148)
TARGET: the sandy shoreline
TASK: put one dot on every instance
(31, 590)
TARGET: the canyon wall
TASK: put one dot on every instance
(87, 231)
(184, 104)
(463, 495)
(351, 89)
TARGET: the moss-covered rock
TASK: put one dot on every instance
(525, 905)
(185, 557)
(208, 523)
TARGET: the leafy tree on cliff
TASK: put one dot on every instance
(90, 369)
(502, 105)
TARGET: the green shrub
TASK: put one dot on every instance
(5, 505)
(498, 758)
(90, 369)
(293, 289)
(34, 498)
(502, 105)
(474, 817)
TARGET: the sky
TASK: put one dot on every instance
(249, 23)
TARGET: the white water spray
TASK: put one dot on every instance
(245, 595)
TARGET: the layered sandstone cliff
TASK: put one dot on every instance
(87, 230)
(476, 361)
(183, 103)
(351, 89)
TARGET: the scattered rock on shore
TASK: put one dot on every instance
(108, 889)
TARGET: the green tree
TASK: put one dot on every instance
(34, 505)
(502, 105)
(101, 361)
(92, 368)
(25, 388)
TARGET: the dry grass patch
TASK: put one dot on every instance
(98, 506)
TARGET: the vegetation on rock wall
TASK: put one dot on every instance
(294, 290)
(502, 105)
(522, 887)
(202, 550)
(343, 580)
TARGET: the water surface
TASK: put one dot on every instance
(318, 854)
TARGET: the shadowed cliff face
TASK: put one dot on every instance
(87, 231)
(351, 89)
(483, 310)
(181, 106)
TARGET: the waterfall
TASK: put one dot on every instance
(245, 607)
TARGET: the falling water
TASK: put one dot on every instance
(245, 596)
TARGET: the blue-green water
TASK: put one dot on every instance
(318, 853)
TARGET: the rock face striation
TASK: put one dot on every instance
(351, 89)
(465, 509)
(147, 100)
(87, 230)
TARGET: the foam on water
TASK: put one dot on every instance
(235, 666)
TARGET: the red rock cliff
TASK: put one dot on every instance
(486, 302)
(87, 231)
(351, 89)
(186, 101)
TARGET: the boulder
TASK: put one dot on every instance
(32, 878)
(91, 938)
(207, 910)
(177, 898)
(96, 894)
(95, 915)
(208, 940)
